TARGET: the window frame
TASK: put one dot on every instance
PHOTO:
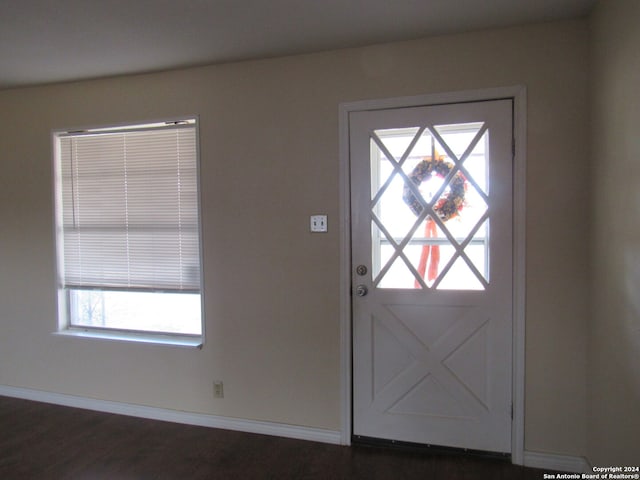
(64, 293)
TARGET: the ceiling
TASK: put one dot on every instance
(46, 41)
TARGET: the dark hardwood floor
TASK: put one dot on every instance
(42, 441)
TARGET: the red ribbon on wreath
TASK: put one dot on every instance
(430, 253)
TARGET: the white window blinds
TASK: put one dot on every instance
(129, 211)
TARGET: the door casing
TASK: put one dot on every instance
(518, 94)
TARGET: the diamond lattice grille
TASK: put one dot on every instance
(430, 207)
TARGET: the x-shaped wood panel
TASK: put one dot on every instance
(429, 360)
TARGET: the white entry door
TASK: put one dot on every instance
(431, 200)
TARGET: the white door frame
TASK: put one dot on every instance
(518, 94)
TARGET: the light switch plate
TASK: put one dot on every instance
(318, 223)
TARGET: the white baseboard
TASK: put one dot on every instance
(546, 461)
(562, 463)
(167, 415)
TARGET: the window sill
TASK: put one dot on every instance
(120, 336)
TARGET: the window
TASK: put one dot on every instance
(454, 256)
(128, 236)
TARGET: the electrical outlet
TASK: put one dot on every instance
(318, 223)
(218, 389)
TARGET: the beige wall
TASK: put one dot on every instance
(614, 353)
(269, 145)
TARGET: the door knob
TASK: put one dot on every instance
(361, 290)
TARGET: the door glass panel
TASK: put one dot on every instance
(397, 219)
(399, 275)
(389, 145)
(476, 165)
(429, 190)
(460, 277)
(478, 252)
(459, 137)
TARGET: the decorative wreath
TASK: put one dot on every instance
(450, 204)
